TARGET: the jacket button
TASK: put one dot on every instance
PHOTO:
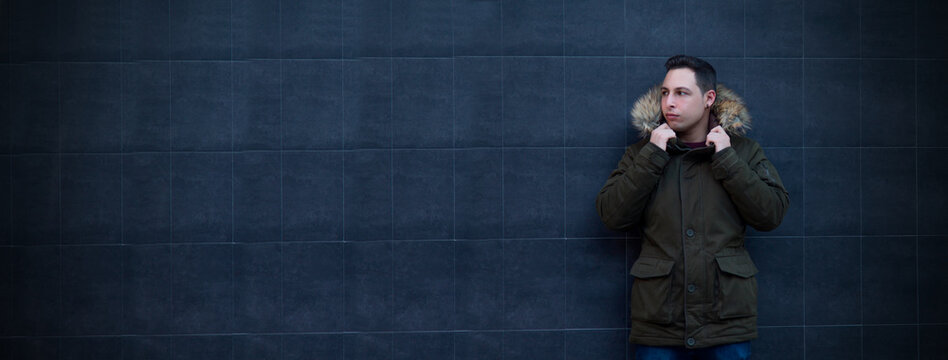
(691, 341)
(690, 232)
(691, 288)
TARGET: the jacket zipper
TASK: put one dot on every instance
(684, 252)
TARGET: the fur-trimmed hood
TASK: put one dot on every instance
(728, 108)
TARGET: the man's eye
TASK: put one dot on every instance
(681, 93)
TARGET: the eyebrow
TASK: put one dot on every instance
(677, 88)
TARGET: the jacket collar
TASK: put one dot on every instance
(728, 110)
(676, 147)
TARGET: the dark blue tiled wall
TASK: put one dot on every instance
(415, 179)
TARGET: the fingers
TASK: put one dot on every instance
(661, 135)
(713, 135)
(664, 131)
(719, 138)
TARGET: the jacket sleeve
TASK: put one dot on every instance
(623, 198)
(754, 186)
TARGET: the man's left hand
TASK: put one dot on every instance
(719, 138)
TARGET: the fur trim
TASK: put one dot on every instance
(728, 107)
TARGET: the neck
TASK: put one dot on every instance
(697, 133)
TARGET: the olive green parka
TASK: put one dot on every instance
(694, 283)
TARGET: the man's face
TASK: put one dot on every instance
(683, 103)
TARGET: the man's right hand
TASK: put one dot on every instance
(661, 135)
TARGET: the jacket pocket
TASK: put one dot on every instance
(736, 286)
(651, 290)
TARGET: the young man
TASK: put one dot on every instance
(691, 185)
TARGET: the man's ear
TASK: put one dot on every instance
(709, 98)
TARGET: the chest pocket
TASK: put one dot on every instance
(735, 285)
(651, 290)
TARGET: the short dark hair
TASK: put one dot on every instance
(705, 75)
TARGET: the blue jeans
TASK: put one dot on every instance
(736, 351)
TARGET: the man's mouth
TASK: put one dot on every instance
(670, 116)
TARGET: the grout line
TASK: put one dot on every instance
(454, 137)
(10, 278)
(392, 319)
(503, 199)
(803, 192)
(391, 125)
(342, 56)
(862, 310)
(391, 172)
(802, 142)
(342, 83)
(578, 239)
(9, 10)
(122, 155)
(454, 211)
(684, 35)
(563, 151)
(10, 192)
(918, 316)
(344, 241)
(170, 184)
(59, 130)
(233, 223)
(859, 39)
(862, 236)
(625, 80)
(122, 69)
(282, 320)
(399, 332)
(563, 159)
(802, 30)
(626, 129)
(333, 59)
(9, 86)
(336, 150)
(625, 32)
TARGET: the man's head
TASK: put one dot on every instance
(687, 94)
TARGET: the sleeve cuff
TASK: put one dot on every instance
(653, 157)
(724, 163)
